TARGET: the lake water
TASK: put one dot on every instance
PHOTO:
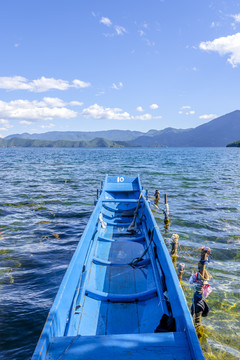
(47, 196)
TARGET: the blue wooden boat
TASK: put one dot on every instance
(120, 297)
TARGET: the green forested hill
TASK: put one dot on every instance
(234, 144)
(18, 142)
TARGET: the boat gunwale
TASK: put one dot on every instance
(78, 261)
(179, 301)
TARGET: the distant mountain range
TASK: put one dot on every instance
(218, 132)
(19, 142)
(113, 135)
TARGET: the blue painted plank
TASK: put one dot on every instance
(122, 318)
(167, 346)
(89, 317)
(150, 309)
(121, 200)
(126, 187)
(125, 251)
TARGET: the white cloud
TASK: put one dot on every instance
(4, 122)
(141, 32)
(117, 86)
(100, 93)
(45, 84)
(140, 109)
(215, 24)
(225, 45)
(49, 126)
(6, 125)
(56, 102)
(120, 30)
(99, 112)
(186, 110)
(39, 85)
(108, 35)
(25, 122)
(149, 42)
(236, 18)
(143, 117)
(207, 116)
(53, 102)
(80, 84)
(105, 21)
(34, 110)
(146, 117)
(75, 103)
(14, 83)
(153, 106)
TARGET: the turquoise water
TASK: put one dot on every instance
(47, 196)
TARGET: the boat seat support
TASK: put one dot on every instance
(98, 261)
(137, 239)
(122, 298)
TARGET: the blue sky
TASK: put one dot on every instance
(96, 65)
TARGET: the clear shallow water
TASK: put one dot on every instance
(46, 198)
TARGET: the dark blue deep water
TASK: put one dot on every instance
(47, 196)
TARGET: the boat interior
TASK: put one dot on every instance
(117, 296)
(118, 288)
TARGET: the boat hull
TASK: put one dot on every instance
(120, 283)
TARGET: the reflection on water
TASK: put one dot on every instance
(46, 198)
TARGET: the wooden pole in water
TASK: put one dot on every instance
(205, 253)
(166, 211)
(157, 196)
(181, 268)
(175, 244)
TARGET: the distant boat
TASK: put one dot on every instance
(120, 298)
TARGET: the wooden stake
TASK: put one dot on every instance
(157, 196)
(175, 244)
(181, 268)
